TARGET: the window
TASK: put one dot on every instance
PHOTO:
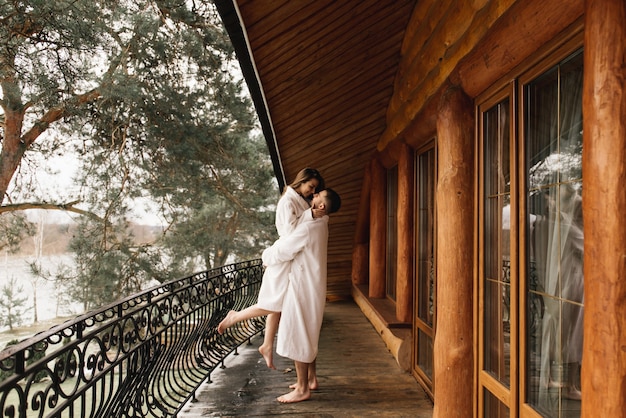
(425, 271)
(497, 242)
(530, 276)
(497, 287)
(554, 288)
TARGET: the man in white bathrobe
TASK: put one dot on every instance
(303, 306)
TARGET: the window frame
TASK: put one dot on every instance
(512, 86)
(418, 324)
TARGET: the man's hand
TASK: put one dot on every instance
(318, 213)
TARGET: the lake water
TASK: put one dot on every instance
(49, 307)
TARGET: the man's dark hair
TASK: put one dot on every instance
(333, 201)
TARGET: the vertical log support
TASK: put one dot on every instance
(604, 203)
(404, 280)
(360, 252)
(378, 229)
(454, 359)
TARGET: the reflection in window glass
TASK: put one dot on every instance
(425, 354)
(497, 242)
(425, 261)
(494, 408)
(554, 308)
(426, 237)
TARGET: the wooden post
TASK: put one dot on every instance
(360, 255)
(404, 279)
(378, 229)
(604, 203)
(454, 358)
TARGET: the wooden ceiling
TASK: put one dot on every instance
(321, 73)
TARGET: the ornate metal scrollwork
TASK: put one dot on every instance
(141, 357)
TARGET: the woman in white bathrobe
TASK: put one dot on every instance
(305, 251)
(290, 211)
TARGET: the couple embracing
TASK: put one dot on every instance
(293, 290)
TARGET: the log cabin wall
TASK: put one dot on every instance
(470, 46)
(325, 67)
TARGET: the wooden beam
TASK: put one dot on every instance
(378, 230)
(360, 252)
(454, 359)
(525, 27)
(404, 268)
(604, 200)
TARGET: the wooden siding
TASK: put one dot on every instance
(350, 84)
(327, 70)
(345, 81)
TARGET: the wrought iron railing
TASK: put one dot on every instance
(144, 356)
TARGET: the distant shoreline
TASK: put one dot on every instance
(57, 237)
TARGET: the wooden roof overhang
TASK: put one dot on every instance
(321, 74)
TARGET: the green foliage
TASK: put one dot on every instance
(107, 264)
(14, 227)
(222, 208)
(12, 305)
(146, 93)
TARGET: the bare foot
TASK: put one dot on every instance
(295, 396)
(226, 322)
(268, 355)
(313, 384)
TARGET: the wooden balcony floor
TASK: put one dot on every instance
(358, 377)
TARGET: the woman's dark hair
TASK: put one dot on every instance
(307, 174)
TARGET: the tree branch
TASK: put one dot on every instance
(68, 207)
(54, 114)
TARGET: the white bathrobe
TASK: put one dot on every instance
(305, 251)
(290, 210)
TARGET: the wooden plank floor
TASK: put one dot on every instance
(358, 377)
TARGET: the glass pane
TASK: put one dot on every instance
(554, 309)
(497, 242)
(425, 271)
(494, 408)
(571, 128)
(497, 162)
(425, 353)
(497, 330)
(425, 236)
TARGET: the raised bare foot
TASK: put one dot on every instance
(268, 355)
(295, 396)
(226, 322)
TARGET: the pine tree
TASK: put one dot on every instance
(12, 305)
(146, 93)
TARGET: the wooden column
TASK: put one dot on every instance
(378, 229)
(454, 359)
(604, 206)
(360, 252)
(404, 268)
